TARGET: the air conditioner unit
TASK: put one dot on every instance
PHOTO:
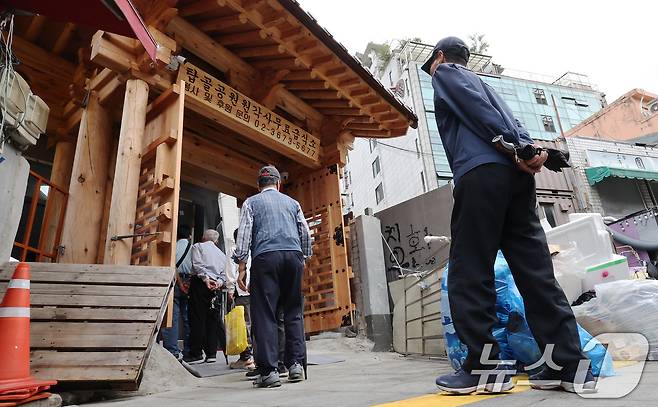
(653, 106)
(26, 115)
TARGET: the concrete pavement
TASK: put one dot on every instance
(366, 379)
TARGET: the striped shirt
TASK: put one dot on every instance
(271, 221)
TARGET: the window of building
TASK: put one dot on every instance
(548, 123)
(375, 167)
(639, 163)
(373, 144)
(379, 193)
(422, 179)
(540, 96)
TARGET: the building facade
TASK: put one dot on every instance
(415, 163)
(615, 178)
(633, 116)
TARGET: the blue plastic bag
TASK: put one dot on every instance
(511, 331)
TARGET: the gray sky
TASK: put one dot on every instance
(616, 45)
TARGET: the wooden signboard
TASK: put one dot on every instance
(217, 100)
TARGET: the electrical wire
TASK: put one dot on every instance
(416, 152)
(7, 70)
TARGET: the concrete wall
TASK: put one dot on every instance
(14, 171)
(405, 225)
(369, 269)
(626, 118)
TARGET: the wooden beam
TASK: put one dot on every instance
(331, 103)
(350, 111)
(110, 55)
(307, 85)
(303, 75)
(276, 64)
(84, 211)
(123, 205)
(206, 48)
(42, 60)
(64, 38)
(200, 7)
(291, 103)
(346, 83)
(247, 37)
(35, 27)
(220, 160)
(318, 94)
(199, 176)
(260, 52)
(222, 23)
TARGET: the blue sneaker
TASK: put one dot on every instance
(498, 380)
(571, 381)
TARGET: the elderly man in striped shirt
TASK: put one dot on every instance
(273, 228)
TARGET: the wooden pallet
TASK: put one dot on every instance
(92, 326)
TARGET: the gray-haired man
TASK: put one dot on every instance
(208, 276)
(273, 228)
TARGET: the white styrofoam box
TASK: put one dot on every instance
(598, 219)
(587, 236)
(612, 270)
(571, 284)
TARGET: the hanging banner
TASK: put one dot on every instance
(245, 116)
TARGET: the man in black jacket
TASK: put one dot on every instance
(494, 208)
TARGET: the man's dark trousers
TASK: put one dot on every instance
(276, 278)
(494, 209)
(204, 321)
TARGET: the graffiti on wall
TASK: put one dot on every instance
(404, 227)
(408, 248)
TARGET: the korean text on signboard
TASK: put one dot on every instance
(221, 97)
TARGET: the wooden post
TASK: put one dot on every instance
(60, 176)
(121, 219)
(84, 210)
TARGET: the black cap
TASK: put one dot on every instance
(449, 45)
(269, 171)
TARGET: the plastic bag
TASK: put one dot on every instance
(511, 331)
(623, 306)
(236, 331)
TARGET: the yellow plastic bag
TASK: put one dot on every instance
(236, 331)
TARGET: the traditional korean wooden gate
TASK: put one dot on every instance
(327, 276)
(159, 184)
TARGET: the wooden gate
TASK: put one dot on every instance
(326, 283)
(159, 183)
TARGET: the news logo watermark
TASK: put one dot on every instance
(628, 351)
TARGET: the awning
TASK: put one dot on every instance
(598, 174)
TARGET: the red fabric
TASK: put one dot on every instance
(91, 13)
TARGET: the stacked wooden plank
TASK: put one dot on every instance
(93, 325)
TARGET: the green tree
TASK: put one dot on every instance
(478, 44)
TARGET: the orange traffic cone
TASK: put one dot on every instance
(15, 379)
